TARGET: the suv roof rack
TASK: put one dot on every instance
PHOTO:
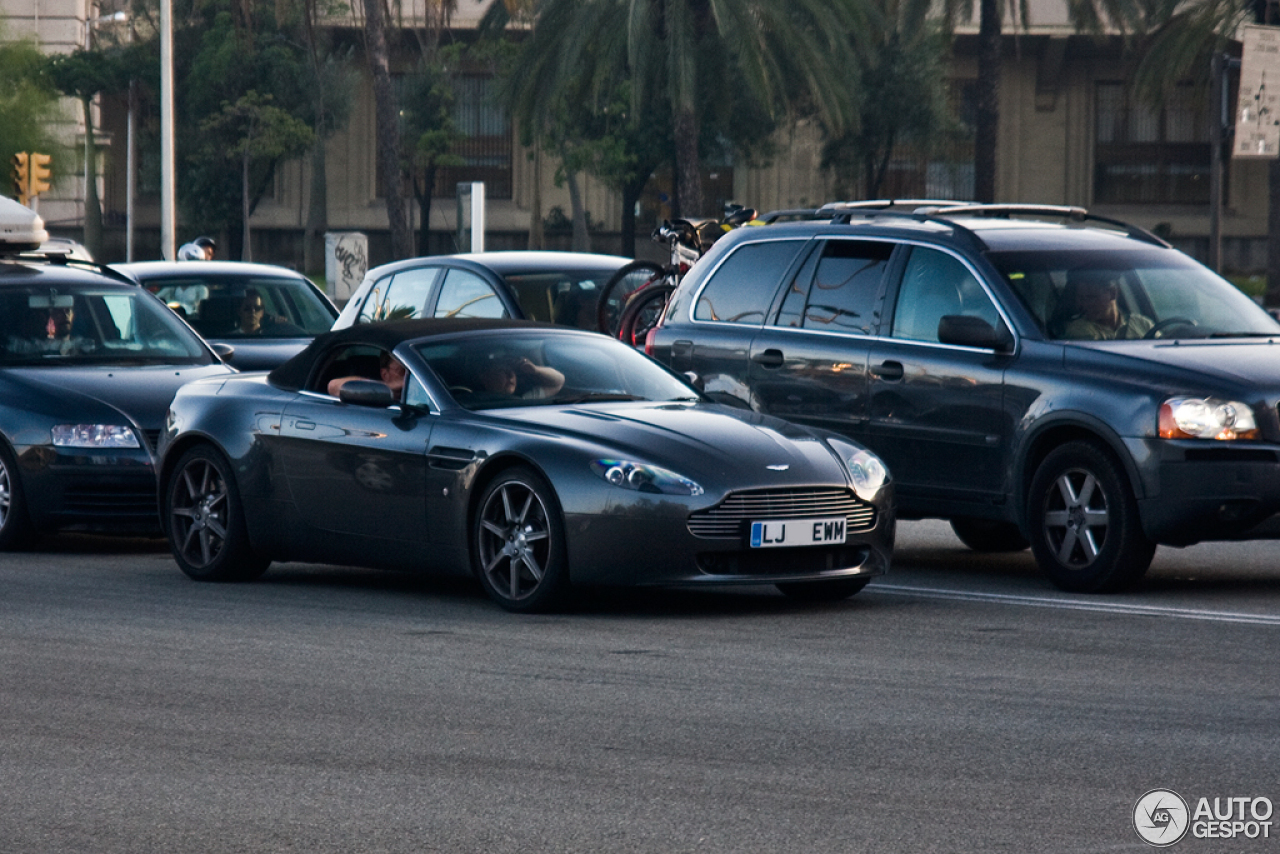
(942, 211)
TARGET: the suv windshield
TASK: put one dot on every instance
(1129, 293)
(66, 324)
(532, 370)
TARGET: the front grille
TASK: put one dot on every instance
(118, 500)
(806, 561)
(152, 438)
(729, 517)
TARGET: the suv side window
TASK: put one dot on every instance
(742, 288)
(467, 295)
(843, 295)
(400, 296)
(936, 284)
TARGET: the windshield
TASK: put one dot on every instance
(245, 306)
(534, 369)
(1137, 293)
(69, 324)
(566, 297)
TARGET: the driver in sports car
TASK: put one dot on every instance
(518, 376)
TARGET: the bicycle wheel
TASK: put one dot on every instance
(642, 313)
(628, 279)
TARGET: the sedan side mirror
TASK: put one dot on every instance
(964, 330)
(366, 393)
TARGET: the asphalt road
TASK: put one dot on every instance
(958, 705)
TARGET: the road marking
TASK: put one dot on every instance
(1077, 604)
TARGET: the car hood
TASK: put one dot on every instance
(704, 441)
(1254, 362)
(142, 393)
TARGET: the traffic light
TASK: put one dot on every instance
(38, 181)
(20, 176)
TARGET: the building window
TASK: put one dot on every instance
(1150, 156)
(486, 140)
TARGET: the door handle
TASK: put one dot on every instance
(304, 425)
(888, 370)
(681, 348)
(771, 358)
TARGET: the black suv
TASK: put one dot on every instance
(1036, 375)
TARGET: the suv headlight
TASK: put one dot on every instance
(1206, 418)
(644, 478)
(94, 436)
(866, 470)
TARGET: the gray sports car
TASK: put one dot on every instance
(537, 457)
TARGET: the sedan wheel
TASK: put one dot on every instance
(205, 520)
(518, 543)
(15, 524)
(1083, 519)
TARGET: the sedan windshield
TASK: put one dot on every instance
(221, 306)
(1141, 293)
(67, 324)
(531, 369)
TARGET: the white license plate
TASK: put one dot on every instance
(797, 532)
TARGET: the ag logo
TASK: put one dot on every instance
(1161, 817)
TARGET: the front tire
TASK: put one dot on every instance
(16, 530)
(1083, 520)
(989, 536)
(204, 518)
(835, 590)
(517, 543)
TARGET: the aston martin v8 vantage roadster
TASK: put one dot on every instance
(537, 457)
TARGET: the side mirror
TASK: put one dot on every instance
(967, 331)
(224, 351)
(366, 393)
(694, 380)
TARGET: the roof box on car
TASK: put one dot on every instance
(21, 228)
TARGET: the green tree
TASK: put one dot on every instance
(252, 129)
(28, 104)
(691, 56)
(85, 74)
(430, 135)
(903, 97)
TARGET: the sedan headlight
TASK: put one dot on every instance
(1206, 418)
(94, 436)
(866, 470)
(644, 478)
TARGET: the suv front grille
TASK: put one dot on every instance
(726, 519)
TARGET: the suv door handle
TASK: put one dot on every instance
(771, 358)
(888, 370)
(681, 348)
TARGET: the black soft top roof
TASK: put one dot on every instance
(388, 335)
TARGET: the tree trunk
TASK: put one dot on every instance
(688, 174)
(386, 126)
(987, 111)
(246, 250)
(317, 212)
(92, 204)
(581, 239)
(424, 210)
(630, 198)
(537, 236)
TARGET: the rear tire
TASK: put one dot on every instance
(204, 519)
(628, 279)
(16, 530)
(989, 536)
(836, 590)
(1083, 520)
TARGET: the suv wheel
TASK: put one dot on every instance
(1083, 521)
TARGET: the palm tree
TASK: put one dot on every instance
(687, 53)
